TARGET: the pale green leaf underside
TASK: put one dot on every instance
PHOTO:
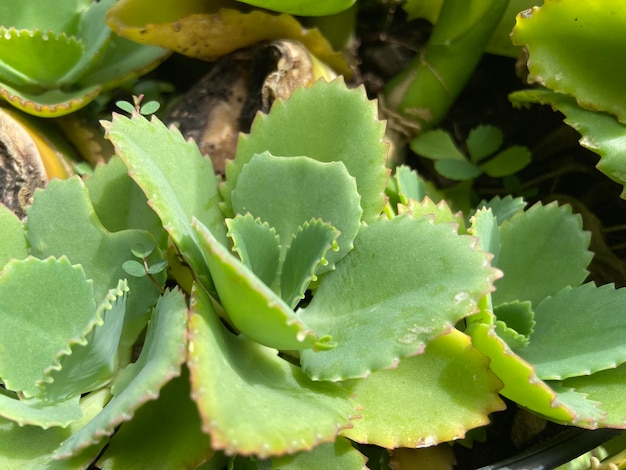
(251, 306)
(579, 331)
(286, 192)
(91, 365)
(45, 306)
(257, 246)
(177, 181)
(251, 401)
(522, 385)
(431, 398)
(13, 240)
(327, 122)
(543, 250)
(160, 360)
(377, 316)
(62, 221)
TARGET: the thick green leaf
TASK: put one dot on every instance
(251, 306)
(36, 412)
(119, 203)
(606, 387)
(543, 250)
(437, 144)
(578, 331)
(572, 47)
(163, 431)
(439, 212)
(251, 401)
(327, 122)
(339, 454)
(62, 221)
(31, 446)
(45, 307)
(601, 132)
(483, 141)
(287, 192)
(303, 7)
(431, 398)
(257, 246)
(484, 226)
(91, 363)
(13, 243)
(178, 182)
(56, 55)
(160, 360)
(308, 252)
(48, 15)
(386, 301)
(522, 385)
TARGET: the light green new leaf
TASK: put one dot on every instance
(166, 430)
(431, 398)
(62, 222)
(251, 306)
(45, 307)
(543, 250)
(177, 181)
(287, 192)
(160, 360)
(405, 184)
(484, 226)
(439, 212)
(12, 235)
(514, 323)
(578, 331)
(522, 385)
(31, 446)
(601, 132)
(572, 47)
(91, 363)
(386, 301)
(308, 252)
(251, 401)
(303, 7)
(327, 122)
(257, 246)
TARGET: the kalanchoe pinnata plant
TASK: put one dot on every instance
(77, 55)
(309, 312)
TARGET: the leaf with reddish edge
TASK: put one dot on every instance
(431, 398)
(251, 401)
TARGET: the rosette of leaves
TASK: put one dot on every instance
(56, 57)
(307, 301)
(572, 48)
(554, 341)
